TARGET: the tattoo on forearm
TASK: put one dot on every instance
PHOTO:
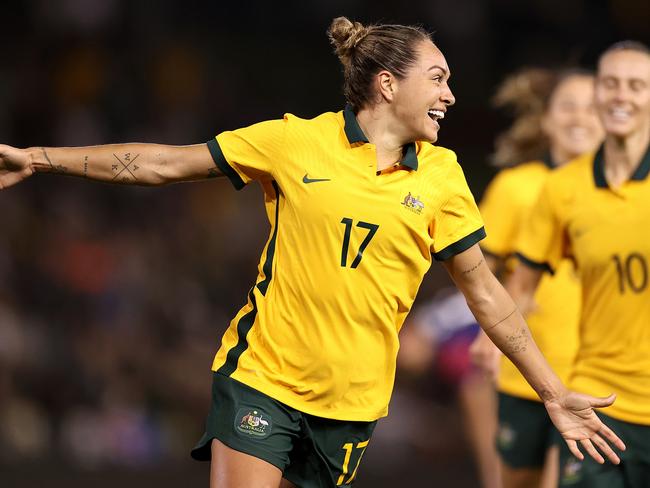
(473, 268)
(517, 342)
(85, 166)
(55, 169)
(213, 173)
(127, 169)
(502, 320)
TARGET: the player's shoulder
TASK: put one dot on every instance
(524, 171)
(575, 173)
(437, 159)
(323, 121)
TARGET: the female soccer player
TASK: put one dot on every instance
(596, 211)
(358, 206)
(556, 121)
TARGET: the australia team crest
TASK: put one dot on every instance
(414, 204)
(253, 422)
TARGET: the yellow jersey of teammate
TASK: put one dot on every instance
(607, 232)
(347, 251)
(507, 203)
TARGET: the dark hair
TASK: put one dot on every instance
(366, 50)
(527, 93)
(627, 45)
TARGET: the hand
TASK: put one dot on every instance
(14, 166)
(485, 355)
(574, 416)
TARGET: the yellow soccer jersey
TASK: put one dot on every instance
(607, 232)
(347, 251)
(505, 208)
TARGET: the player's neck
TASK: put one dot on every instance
(376, 125)
(623, 155)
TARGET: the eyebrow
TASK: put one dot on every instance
(439, 67)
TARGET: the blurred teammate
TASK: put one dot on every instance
(556, 121)
(436, 339)
(358, 206)
(596, 210)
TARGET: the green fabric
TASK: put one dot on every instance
(633, 472)
(525, 432)
(308, 450)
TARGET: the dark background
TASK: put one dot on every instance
(113, 299)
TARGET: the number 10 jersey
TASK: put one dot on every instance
(606, 231)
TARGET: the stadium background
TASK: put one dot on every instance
(113, 299)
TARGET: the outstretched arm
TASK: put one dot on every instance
(572, 413)
(521, 284)
(134, 164)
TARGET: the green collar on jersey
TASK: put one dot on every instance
(640, 173)
(355, 134)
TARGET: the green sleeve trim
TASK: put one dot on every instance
(461, 245)
(222, 164)
(534, 264)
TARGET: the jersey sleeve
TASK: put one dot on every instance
(542, 242)
(501, 215)
(251, 153)
(457, 225)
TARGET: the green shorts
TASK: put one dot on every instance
(525, 432)
(312, 452)
(633, 472)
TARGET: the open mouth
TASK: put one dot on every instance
(436, 115)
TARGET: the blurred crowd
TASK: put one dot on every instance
(113, 300)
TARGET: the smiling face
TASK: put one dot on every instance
(623, 92)
(422, 97)
(570, 121)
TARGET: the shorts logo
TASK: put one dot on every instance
(253, 422)
(571, 473)
(506, 436)
(413, 204)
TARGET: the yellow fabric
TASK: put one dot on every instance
(607, 231)
(507, 203)
(319, 333)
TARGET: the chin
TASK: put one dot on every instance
(617, 130)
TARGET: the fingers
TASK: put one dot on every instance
(612, 437)
(605, 449)
(573, 447)
(597, 402)
(591, 450)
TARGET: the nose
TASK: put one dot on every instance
(447, 96)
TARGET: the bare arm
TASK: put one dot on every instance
(501, 320)
(134, 164)
(572, 413)
(521, 284)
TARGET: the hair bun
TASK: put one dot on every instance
(345, 35)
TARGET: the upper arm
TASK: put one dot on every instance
(470, 272)
(185, 163)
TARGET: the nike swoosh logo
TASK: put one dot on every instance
(307, 179)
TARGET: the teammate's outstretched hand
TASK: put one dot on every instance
(14, 166)
(574, 416)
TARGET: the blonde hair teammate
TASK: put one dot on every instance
(359, 205)
(596, 210)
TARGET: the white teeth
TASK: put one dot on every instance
(436, 113)
(620, 113)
